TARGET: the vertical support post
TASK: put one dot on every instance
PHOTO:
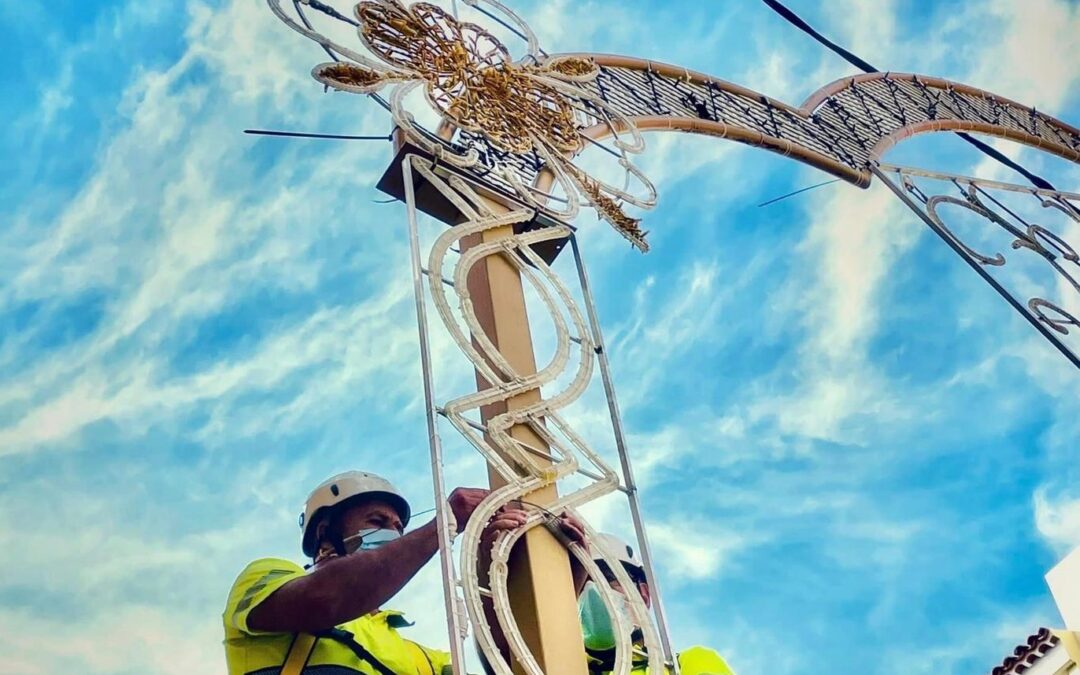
(624, 460)
(442, 507)
(541, 587)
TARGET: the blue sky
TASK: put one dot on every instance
(852, 452)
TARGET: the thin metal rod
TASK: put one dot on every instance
(302, 134)
(601, 145)
(329, 52)
(535, 451)
(442, 515)
(1034, 321)
(624, 460)
(381, 101)
(330, 12)
(448, 282)
(307, 24)
(544, 455)
(997, 185)
(1013, 230)
(504, 24)
(798, 192)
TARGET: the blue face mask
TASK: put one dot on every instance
(370, 539)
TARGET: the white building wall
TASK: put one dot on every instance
(1064, 582)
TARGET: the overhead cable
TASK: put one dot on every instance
(859, 63)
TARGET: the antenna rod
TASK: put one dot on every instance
(300, 134)
(792, 194)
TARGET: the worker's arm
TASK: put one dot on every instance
(350, 586)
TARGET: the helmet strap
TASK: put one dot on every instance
(332, 534)
(336, 541)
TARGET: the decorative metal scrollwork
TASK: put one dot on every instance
(1035, 220)
(932, 210)
(536, 105)
(1037, 306)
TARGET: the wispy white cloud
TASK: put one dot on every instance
(693, 550)
(1058, 519)
(1032, 61)
(130, 639)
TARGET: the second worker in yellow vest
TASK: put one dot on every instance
(597, 627)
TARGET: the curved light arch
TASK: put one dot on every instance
(841, 128)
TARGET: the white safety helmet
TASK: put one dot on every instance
(618, 548)
(335, 490)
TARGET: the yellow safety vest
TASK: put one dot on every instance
(370, 645)
(693, 661)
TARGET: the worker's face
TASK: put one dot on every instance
(364, 515)
(641, 587)
(368, 515)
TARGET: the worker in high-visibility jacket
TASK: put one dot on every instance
(330, 619)
(597, 627)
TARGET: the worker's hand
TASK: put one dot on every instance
(509, 517)
(574, 530)
(463, 501)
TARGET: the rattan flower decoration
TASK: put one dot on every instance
(536, 104)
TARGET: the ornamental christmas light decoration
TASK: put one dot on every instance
(535, 104)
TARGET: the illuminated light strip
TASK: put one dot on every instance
(524, 475)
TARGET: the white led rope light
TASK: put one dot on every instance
(516, 462)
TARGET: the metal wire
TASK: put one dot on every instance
(303, 134)
(497, 19)
(797, 192)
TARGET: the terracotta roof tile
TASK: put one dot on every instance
(1027, 653)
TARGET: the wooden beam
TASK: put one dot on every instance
(541, 587)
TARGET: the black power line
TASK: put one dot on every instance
(795, 20)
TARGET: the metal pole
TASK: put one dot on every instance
(624, 459)
(446, 542)
(1034, 321)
